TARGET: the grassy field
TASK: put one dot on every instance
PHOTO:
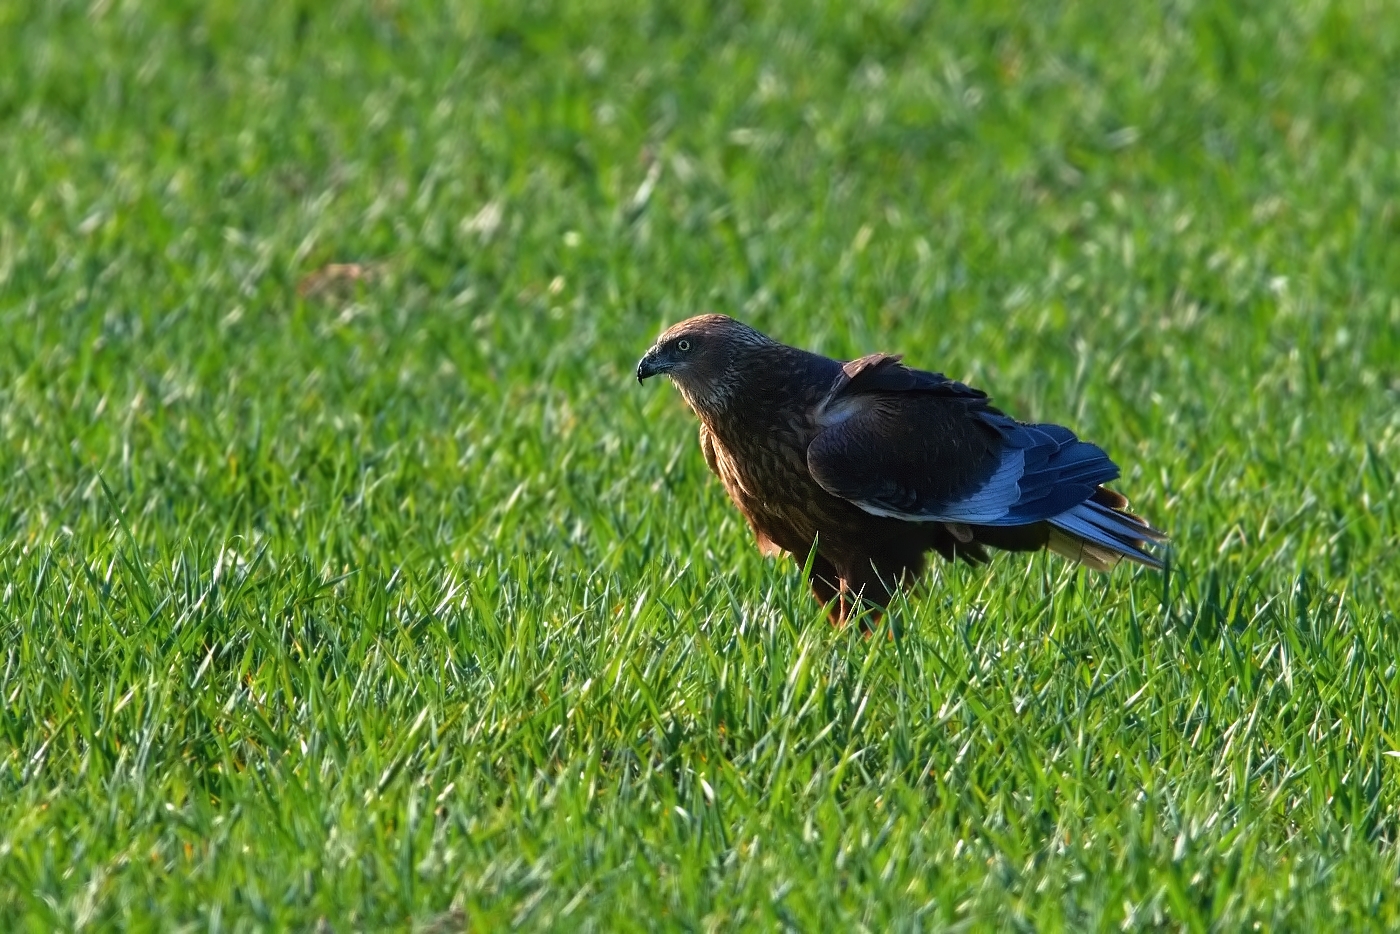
(349, 581)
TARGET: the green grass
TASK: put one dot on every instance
(397, 603)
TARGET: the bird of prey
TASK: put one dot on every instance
(873, 464)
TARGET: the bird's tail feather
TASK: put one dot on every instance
(1100, 531)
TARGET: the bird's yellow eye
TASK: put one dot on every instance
(682, 345)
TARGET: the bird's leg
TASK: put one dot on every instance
(826, 587)
(853, 601)
(846, 593)
(874, 589)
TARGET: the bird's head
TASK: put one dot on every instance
(704, 356)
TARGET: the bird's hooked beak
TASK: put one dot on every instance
(653, 363)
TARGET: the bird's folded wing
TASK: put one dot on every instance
(914, 445)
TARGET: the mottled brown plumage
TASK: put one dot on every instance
(877, 464)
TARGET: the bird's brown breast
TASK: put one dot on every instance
(765, 474)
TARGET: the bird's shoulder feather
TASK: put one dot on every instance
(881, 372)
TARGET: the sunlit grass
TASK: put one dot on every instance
(347, 575)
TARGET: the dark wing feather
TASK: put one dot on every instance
(882, 372)
(914, 445)
(905, 443)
